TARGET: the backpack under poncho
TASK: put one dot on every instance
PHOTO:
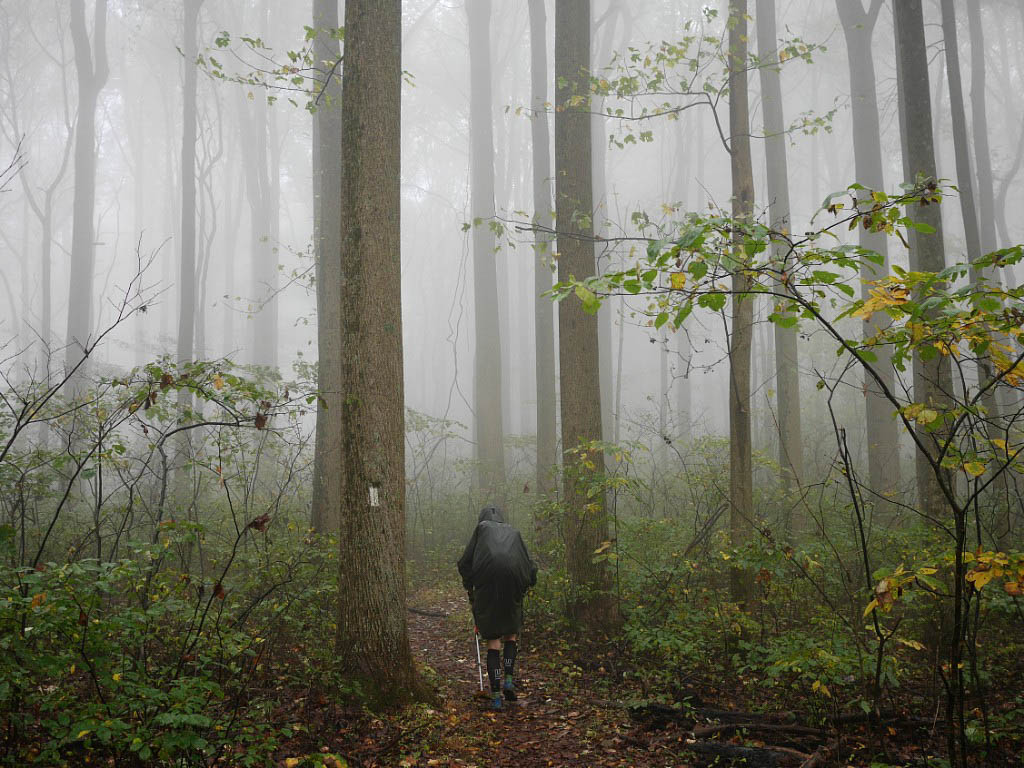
(496, 568)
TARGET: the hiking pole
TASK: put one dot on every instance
(479, 665)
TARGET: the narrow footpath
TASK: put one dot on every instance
(568, 716)
(565, 716)
(555, 721)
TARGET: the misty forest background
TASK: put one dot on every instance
(719, 301)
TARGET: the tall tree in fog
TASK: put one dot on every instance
(602, 48)
(187, 273)
(373, 641)
(487, 374)
(741, 494)
(263, 191)
(327, 246)
(979, 121)
(40, 196)
(964, 176)
(91, 65)
(787, 382)
(544, 323)
(586, 520)
(882, 433)
(932, 378)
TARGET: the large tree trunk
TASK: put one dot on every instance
(544, 323)
(326, 239)
(373, 641)
(881, 427)
(979, 120)
(487, 379)
(741, 495)
(586, 521)
(91, 65)
(964, 179)
(786, 360)
(932, 378)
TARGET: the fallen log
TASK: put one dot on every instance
(820, 755)
(704, 731)
(756, 757)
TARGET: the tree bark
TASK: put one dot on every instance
(487, 378)
(964, 180)
(373, 640)
(787, 382)
(932, 378)
(979, 120)
(586, 520)
(326, 507)
(881, 428)
(544, 323)
(92, 69)
(741, 510)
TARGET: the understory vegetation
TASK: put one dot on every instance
(167, 603)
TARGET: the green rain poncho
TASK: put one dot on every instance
(496, 570)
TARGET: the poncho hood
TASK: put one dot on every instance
(492, 514)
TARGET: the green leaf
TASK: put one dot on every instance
(920, 226)
(713, 301)
(692, 239)
(822, 276)
(590, 302)
(783, 321)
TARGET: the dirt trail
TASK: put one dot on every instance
(568, 717)
(556, 722)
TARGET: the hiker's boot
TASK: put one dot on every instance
(496, 702)
(509, 688)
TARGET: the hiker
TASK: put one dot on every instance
(496, 571)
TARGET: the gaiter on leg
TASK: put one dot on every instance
(511, 649)
(494, 669)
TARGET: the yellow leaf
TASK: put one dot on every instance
(974, 468)
(291, 762)
(677, 280)
(1013, 588)
(218, 382)
(117, 677)
(871, 606)
(980, 578)
(38, 599)
(927, 571)
(82, 733)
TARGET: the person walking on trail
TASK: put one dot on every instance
(496, 571)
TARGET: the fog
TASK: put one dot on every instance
(199, 298)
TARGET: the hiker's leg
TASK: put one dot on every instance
(511, 648)
(494, 665)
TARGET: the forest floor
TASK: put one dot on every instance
(571, 712)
